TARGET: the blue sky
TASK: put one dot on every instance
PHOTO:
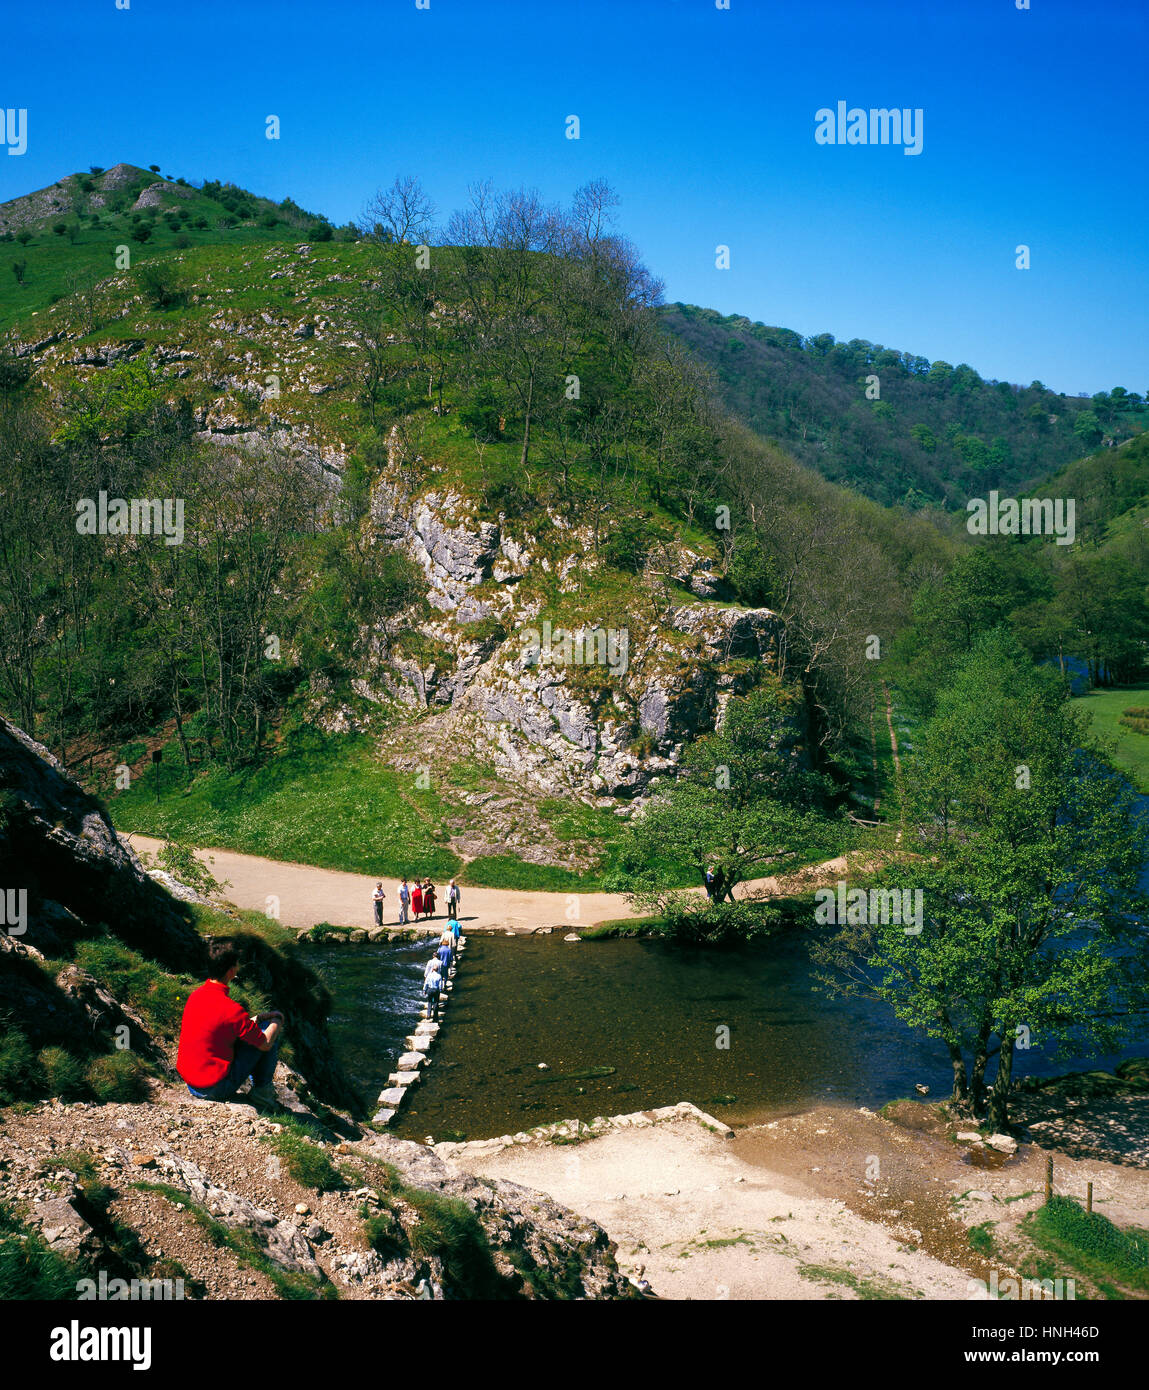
(702, 119)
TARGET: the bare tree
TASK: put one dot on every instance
(403, 213)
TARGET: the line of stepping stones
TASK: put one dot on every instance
(583, 1129)
(408, 1069)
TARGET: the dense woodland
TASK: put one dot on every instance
(935, 433)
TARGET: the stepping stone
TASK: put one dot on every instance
(424, 1027)
(383, 1117)
(392, 1095)
(410, 1061)
(403, 1079)
(418, 1042)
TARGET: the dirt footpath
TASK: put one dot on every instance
(828, 1203)
(307, 895)
(705, 1223)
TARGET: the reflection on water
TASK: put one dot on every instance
(649, 1018)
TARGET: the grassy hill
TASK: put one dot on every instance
(937, 433)
(66, 238)
(385, 466)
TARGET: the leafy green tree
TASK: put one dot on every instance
(1087, 427)
(1028, 853)
(744, 802)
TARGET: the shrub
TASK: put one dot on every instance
(63, 1073)
(28, 1268)
(180, 861)
(162, 285)
(21, 1077)
(693, 919)
(140, 232)
(118, 1077)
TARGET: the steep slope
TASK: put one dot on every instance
(934, 433)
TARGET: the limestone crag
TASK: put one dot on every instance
(562, 726)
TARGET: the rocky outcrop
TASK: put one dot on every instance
(58, 846)
(604, 726)
(61, 858)
(394, 1223)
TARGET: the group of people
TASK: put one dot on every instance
(418, 898)
(438, 968)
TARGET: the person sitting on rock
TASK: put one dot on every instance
(221, 1045)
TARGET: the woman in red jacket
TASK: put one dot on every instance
(417, 899)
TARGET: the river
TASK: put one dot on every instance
(654, 1013)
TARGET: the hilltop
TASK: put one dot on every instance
(455, 455)
(63, 239)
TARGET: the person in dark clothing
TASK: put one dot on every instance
(722, 888)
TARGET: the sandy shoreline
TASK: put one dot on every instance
(829, 1203)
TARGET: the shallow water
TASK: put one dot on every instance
(653, 1012)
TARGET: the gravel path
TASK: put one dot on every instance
(308, 895)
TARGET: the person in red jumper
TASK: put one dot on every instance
(221, 1045)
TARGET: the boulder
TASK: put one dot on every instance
(62, 1226)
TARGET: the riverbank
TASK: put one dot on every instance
(302, 895)
(832, 1202)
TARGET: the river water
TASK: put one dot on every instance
(653, 1013)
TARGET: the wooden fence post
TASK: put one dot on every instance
(1048, 1178)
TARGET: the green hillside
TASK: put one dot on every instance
(937, 433)
(397, 464)
(63, 240)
